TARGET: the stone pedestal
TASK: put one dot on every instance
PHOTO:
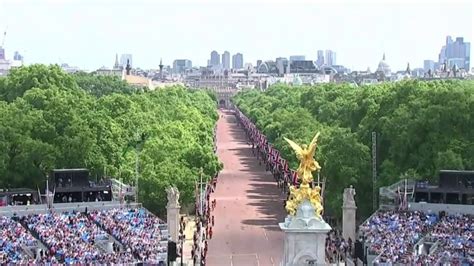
(349, 222)
(172, 213)
(305, 237)
(349, 215)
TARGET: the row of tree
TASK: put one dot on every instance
(50, 119)
(421, 127)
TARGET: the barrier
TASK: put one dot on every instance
(436, 208)
(10, 211)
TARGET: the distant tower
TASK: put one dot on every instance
(128, 68)
(408, 71)
(116, 65)
(161, 68)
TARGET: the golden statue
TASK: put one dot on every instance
(308, 164)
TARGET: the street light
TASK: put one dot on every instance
(182, 226)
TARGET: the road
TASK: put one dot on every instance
(249, 204)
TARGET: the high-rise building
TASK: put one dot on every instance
(237, 61)
(428, 65)
(215, 59)
(182, 65)
(282, 65)
(330, 58)
(320, 59)
(124, 58)
(297, 58)
(456, 53)
(226, 60)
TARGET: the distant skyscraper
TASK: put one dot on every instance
(428, 65)
(226, 60)
(181, 65)
(456, 53)
(320, 60)
(297, 58)
(237, 61)
(2, 53)
(124, 58)
(215, 59)
(330, 58)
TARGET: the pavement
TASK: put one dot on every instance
(249, 204)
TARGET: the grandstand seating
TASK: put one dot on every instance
(13, 236)
(136, 229)
(393, 234)
(78, 238)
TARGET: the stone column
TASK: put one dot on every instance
(172, 213)
(349, 215)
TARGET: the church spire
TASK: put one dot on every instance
(408, 71)
(116, 65)
(161, 68)
(383, 58)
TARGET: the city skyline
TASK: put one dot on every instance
(358, 33)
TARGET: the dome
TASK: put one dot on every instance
(384, 67)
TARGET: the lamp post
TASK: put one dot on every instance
(182, 227)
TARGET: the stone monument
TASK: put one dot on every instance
(304, 228)
(349, 214)
(172, 212)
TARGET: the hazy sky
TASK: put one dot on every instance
(88, 33)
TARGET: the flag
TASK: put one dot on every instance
(294, 177)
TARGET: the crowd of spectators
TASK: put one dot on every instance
(392, 234)
(72, 238)
(141, 232)
(337, 248)
(13, 236)
(456, 239)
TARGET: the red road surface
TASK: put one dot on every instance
(249, 204)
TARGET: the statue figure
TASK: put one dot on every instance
(349, 194)
(173, 195)
(308, 164)
(306, 156)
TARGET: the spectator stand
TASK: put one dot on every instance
(143, 234)
(16, 244)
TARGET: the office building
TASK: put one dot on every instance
(297, 58)
(226, 60)
(456, 53)
(124, 58)
(330, 58)
(428, 65)
(237, 61)
(182, 65)
(282, 65)
(320, 59)
(215, 59)
(2, 53)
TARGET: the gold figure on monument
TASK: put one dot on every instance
(308, 164)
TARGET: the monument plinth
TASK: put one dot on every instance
(172, 212)
(304, 227)
(305, 237)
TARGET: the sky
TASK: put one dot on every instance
(88, 33)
